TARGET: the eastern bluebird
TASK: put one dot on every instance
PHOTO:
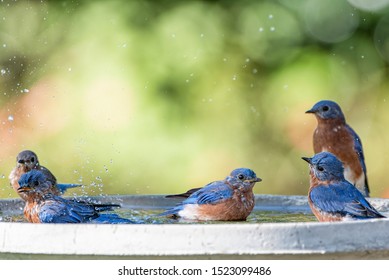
(28, 160)
(229, 200)
(331, 197)
(334, 135)
(42, 206)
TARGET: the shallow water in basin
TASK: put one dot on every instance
(148, 216)
(257, 216)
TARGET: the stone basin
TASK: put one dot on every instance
(238, 240)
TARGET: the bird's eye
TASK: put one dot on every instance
(240, 176)
(326, 108)
(320, 168)
(32, 159)
(36, 183)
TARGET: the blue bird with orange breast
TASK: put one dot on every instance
(331, 197)
(42, 206)
(28, 160)
(229, 200)
(334, 135)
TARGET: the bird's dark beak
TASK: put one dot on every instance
(310, 111)
(307, 159)
(23, 189)
(257, 180)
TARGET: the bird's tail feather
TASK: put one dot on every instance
(63, 187)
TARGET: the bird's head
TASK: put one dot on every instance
(28, 159)
(326, 110)
(243, 176)
(325, 166)
(33, 181)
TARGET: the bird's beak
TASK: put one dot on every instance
(256, 180)
(310, 111)
(23, 189)
(307, 159)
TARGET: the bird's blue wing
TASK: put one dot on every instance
(210, 194)
(58, 210)
(98, 206)
(361, 157)
(358, 147)
(342, 199)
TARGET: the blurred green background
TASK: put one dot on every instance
(151, 97)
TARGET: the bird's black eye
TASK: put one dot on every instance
(36, 183)
(32, 159)
(326, 108)
(240, 176)
(320, 168)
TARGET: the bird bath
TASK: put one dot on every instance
(162, 239)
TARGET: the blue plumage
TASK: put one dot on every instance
(212, 193)
(334, 135)
(342, 199)
(28, 160)
(331, 197)
(42, 206)
(358, 148)
(235, 190)
(64, 187)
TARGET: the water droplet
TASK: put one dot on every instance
(10, 118)
(25, 90)
(69, 69)
(255, 71)
(234, 78)
(272, 28)
(362, 56)
(173, 35)
(270, 16)
(3, 72)
(260, 29)
(4, 45)
(201, 35)
(286, 86)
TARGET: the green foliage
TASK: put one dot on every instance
(160, 96)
